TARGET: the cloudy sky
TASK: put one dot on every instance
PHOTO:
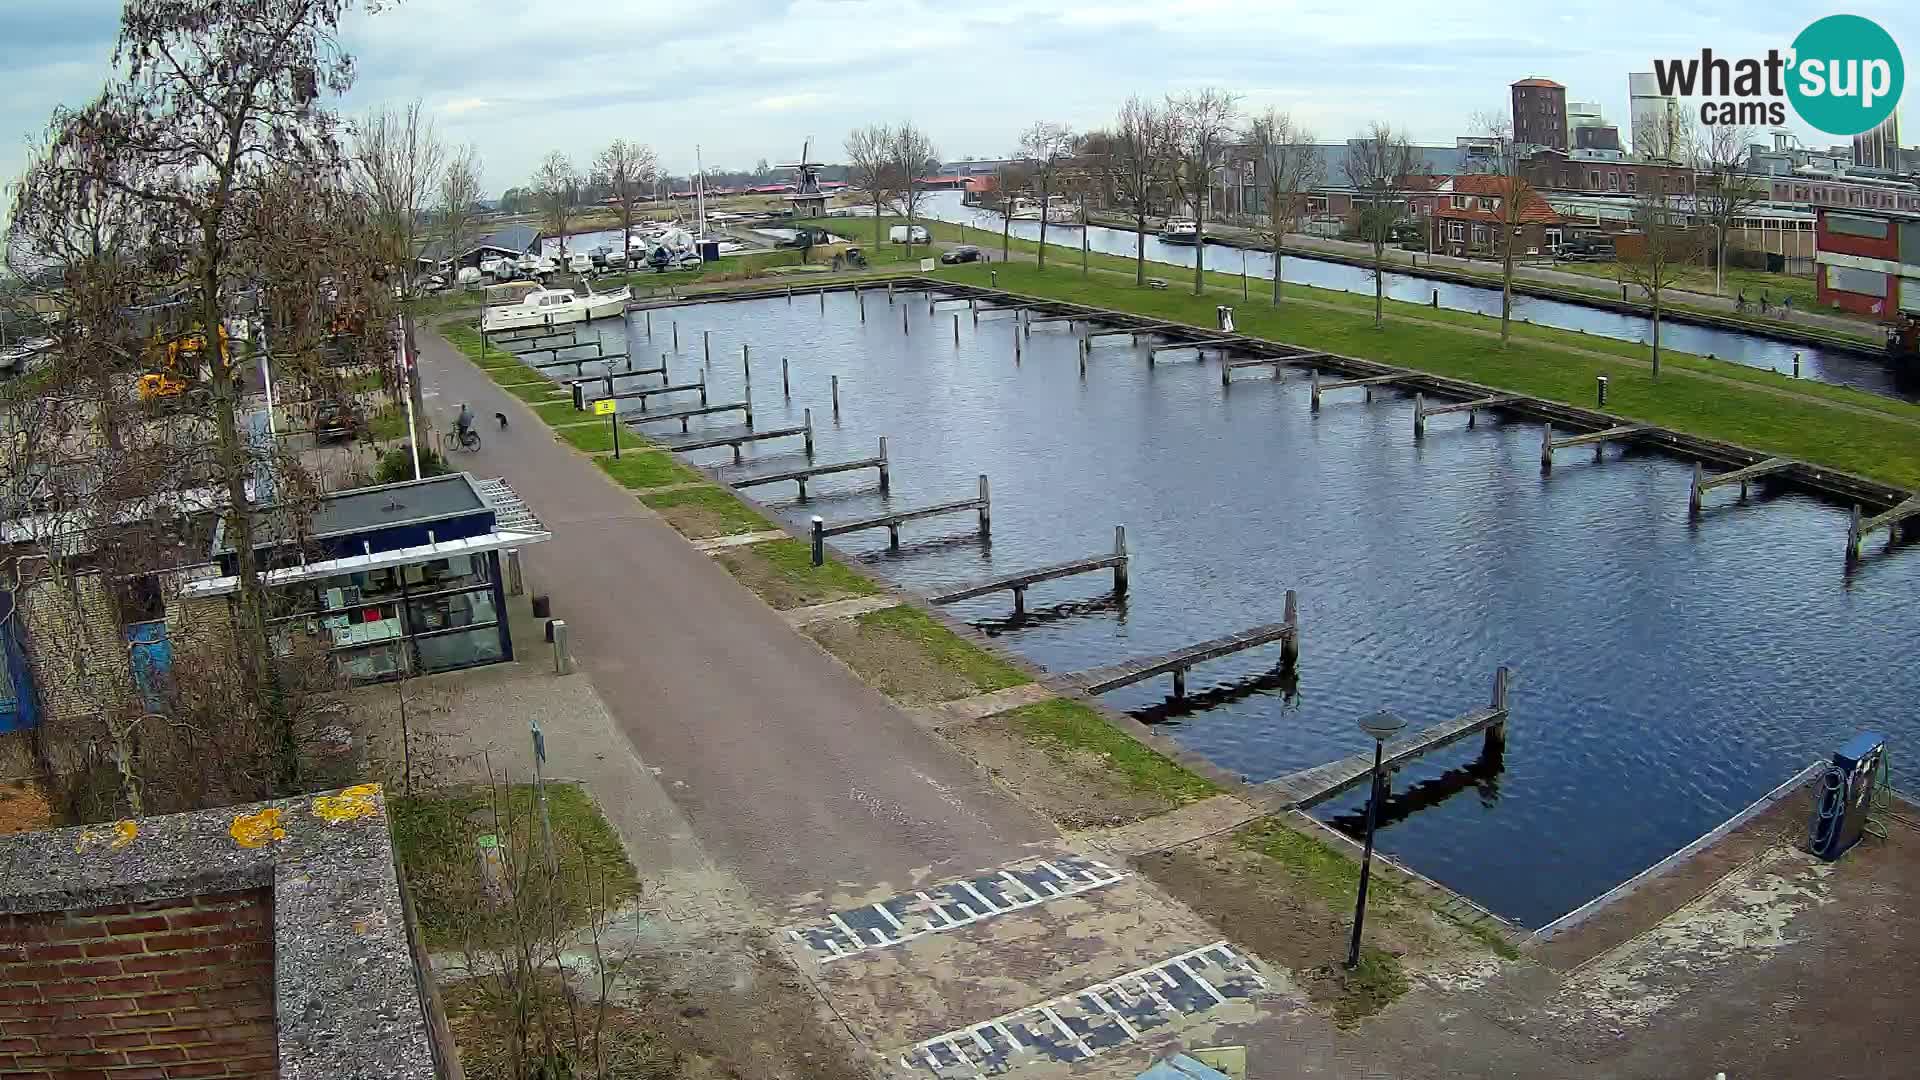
(750, 79)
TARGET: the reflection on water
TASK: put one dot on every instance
(1832, 366)
(1668, 671)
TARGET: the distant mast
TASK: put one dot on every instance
(699, 195)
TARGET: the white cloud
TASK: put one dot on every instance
(789, 102)
(464, 105)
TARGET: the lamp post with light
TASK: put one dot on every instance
(1381, 726)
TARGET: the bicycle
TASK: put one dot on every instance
(456, 440)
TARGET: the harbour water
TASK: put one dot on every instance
(1821, 365)
(1668, 671)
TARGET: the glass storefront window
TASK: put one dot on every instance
(450, 611)
(437, 575)
(375, 662)
(461, 648)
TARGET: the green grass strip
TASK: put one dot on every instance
(734, 516)
(640, 468)
(561, 412)
(947, 648)
(1066, 724)
(794, 560)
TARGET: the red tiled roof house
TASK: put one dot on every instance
(1470, 210)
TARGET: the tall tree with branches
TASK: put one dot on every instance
(1286, 166)
(1724, 191)
(912, 150)
(627, 168)
(870, 170)
(1043, 147)
(1656, 258)
(397, 160)
(1377, 167)
(556, 188)
(1204, 121)
(1138, 165)
(1515, 195)
(212, 107)
(459, 200)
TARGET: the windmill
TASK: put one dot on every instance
(807, 198)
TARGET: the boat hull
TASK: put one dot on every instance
(520, 320)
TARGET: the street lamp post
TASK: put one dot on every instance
(1381, 726)
(1719, 257)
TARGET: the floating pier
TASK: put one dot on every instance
(1858, 527)
(1369, 382)
(804, 430)
(1422, 410)
(1102, 679)
(1019, 582)
(981, 504)
(1598, 439)
(801, 476)
(1299, 790)
(1702, 483)
(683, 415)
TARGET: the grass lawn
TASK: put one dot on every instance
(704, 512)
(912, 658)
(638, 467)
(782, 573)
(560, 412)
(537, 392)
(1700, 279)
(1067, 726)
(1748, 414)
(594, 437)
(435, 838)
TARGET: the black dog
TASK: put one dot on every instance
(502, 417)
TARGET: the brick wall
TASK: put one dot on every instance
(164, 990)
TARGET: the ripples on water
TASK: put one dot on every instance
(1668, 672)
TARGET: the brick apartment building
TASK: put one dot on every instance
(1540, 113)
(1867, 263)
(1468, 214)
(1552, 170)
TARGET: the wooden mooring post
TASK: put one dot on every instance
(836, 399)
(956, 329)
(860, 299)
(746, 365)
(706, 345)
(676, 335)
(649, 322)
(786, 390)
(904, 327)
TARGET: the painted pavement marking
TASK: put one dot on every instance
(957, 903)
(1079, 1025)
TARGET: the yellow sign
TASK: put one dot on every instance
(604, 407)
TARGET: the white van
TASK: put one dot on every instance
(898, 234)
(579, 263)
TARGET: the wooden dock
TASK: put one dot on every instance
(1133, 332)
(1228, 367)
(684, 415)
(1858, 527)
(801, 476)
(1102, 679)
(1597, 439)
(569, 380)
(1308, 787)
(1369, 382)
(509, 338)
(1015, 308)
(1422, 410)
(981, 504)
(1742, 476)
(641, 395)
(579, 364)
(805, 430)
(556, 350)
(1069, 318)
(1019, 581)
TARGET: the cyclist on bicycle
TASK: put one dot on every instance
(463, 423)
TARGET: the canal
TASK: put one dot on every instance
(1822, 365)
(1667, 671)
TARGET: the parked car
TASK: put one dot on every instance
(616, 258)
(336, 420)
(898, 234)
(963, 253)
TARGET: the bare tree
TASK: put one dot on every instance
(397, 161)
(556, 187)
(1204, 121)
(1656, 258)
(1723, 190)
(1513, 199)
(627, 169)
(1377, 166)
(1138, 164)
(1287, 166)
(1043, 147)
(459, 201)
(870, 170)
(912, 150)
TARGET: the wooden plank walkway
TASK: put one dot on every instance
(1228, 367)
(736, 441)
(1369, 382)
(683, 415)
(1889, 520)
(1069, 318)
(507, 339)
(1308, 787)
(981, 504)
(556, 350)
(1133, 331)
(801, 476)
(641, 395)
(1015, 308)
(1113, 676)
(579, 363)
(1422, 410)
(1742, 476)
(1597, 439)
(569, 380)
(1020, 580)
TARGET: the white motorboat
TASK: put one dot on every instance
(1180, 231)
(555, 307)
(1061, 211)
(579, 263)
(1025, 210)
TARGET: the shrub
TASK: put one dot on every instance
(396, 465)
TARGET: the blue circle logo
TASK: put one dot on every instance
(1846, 75)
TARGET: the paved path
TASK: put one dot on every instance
(793, 773)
